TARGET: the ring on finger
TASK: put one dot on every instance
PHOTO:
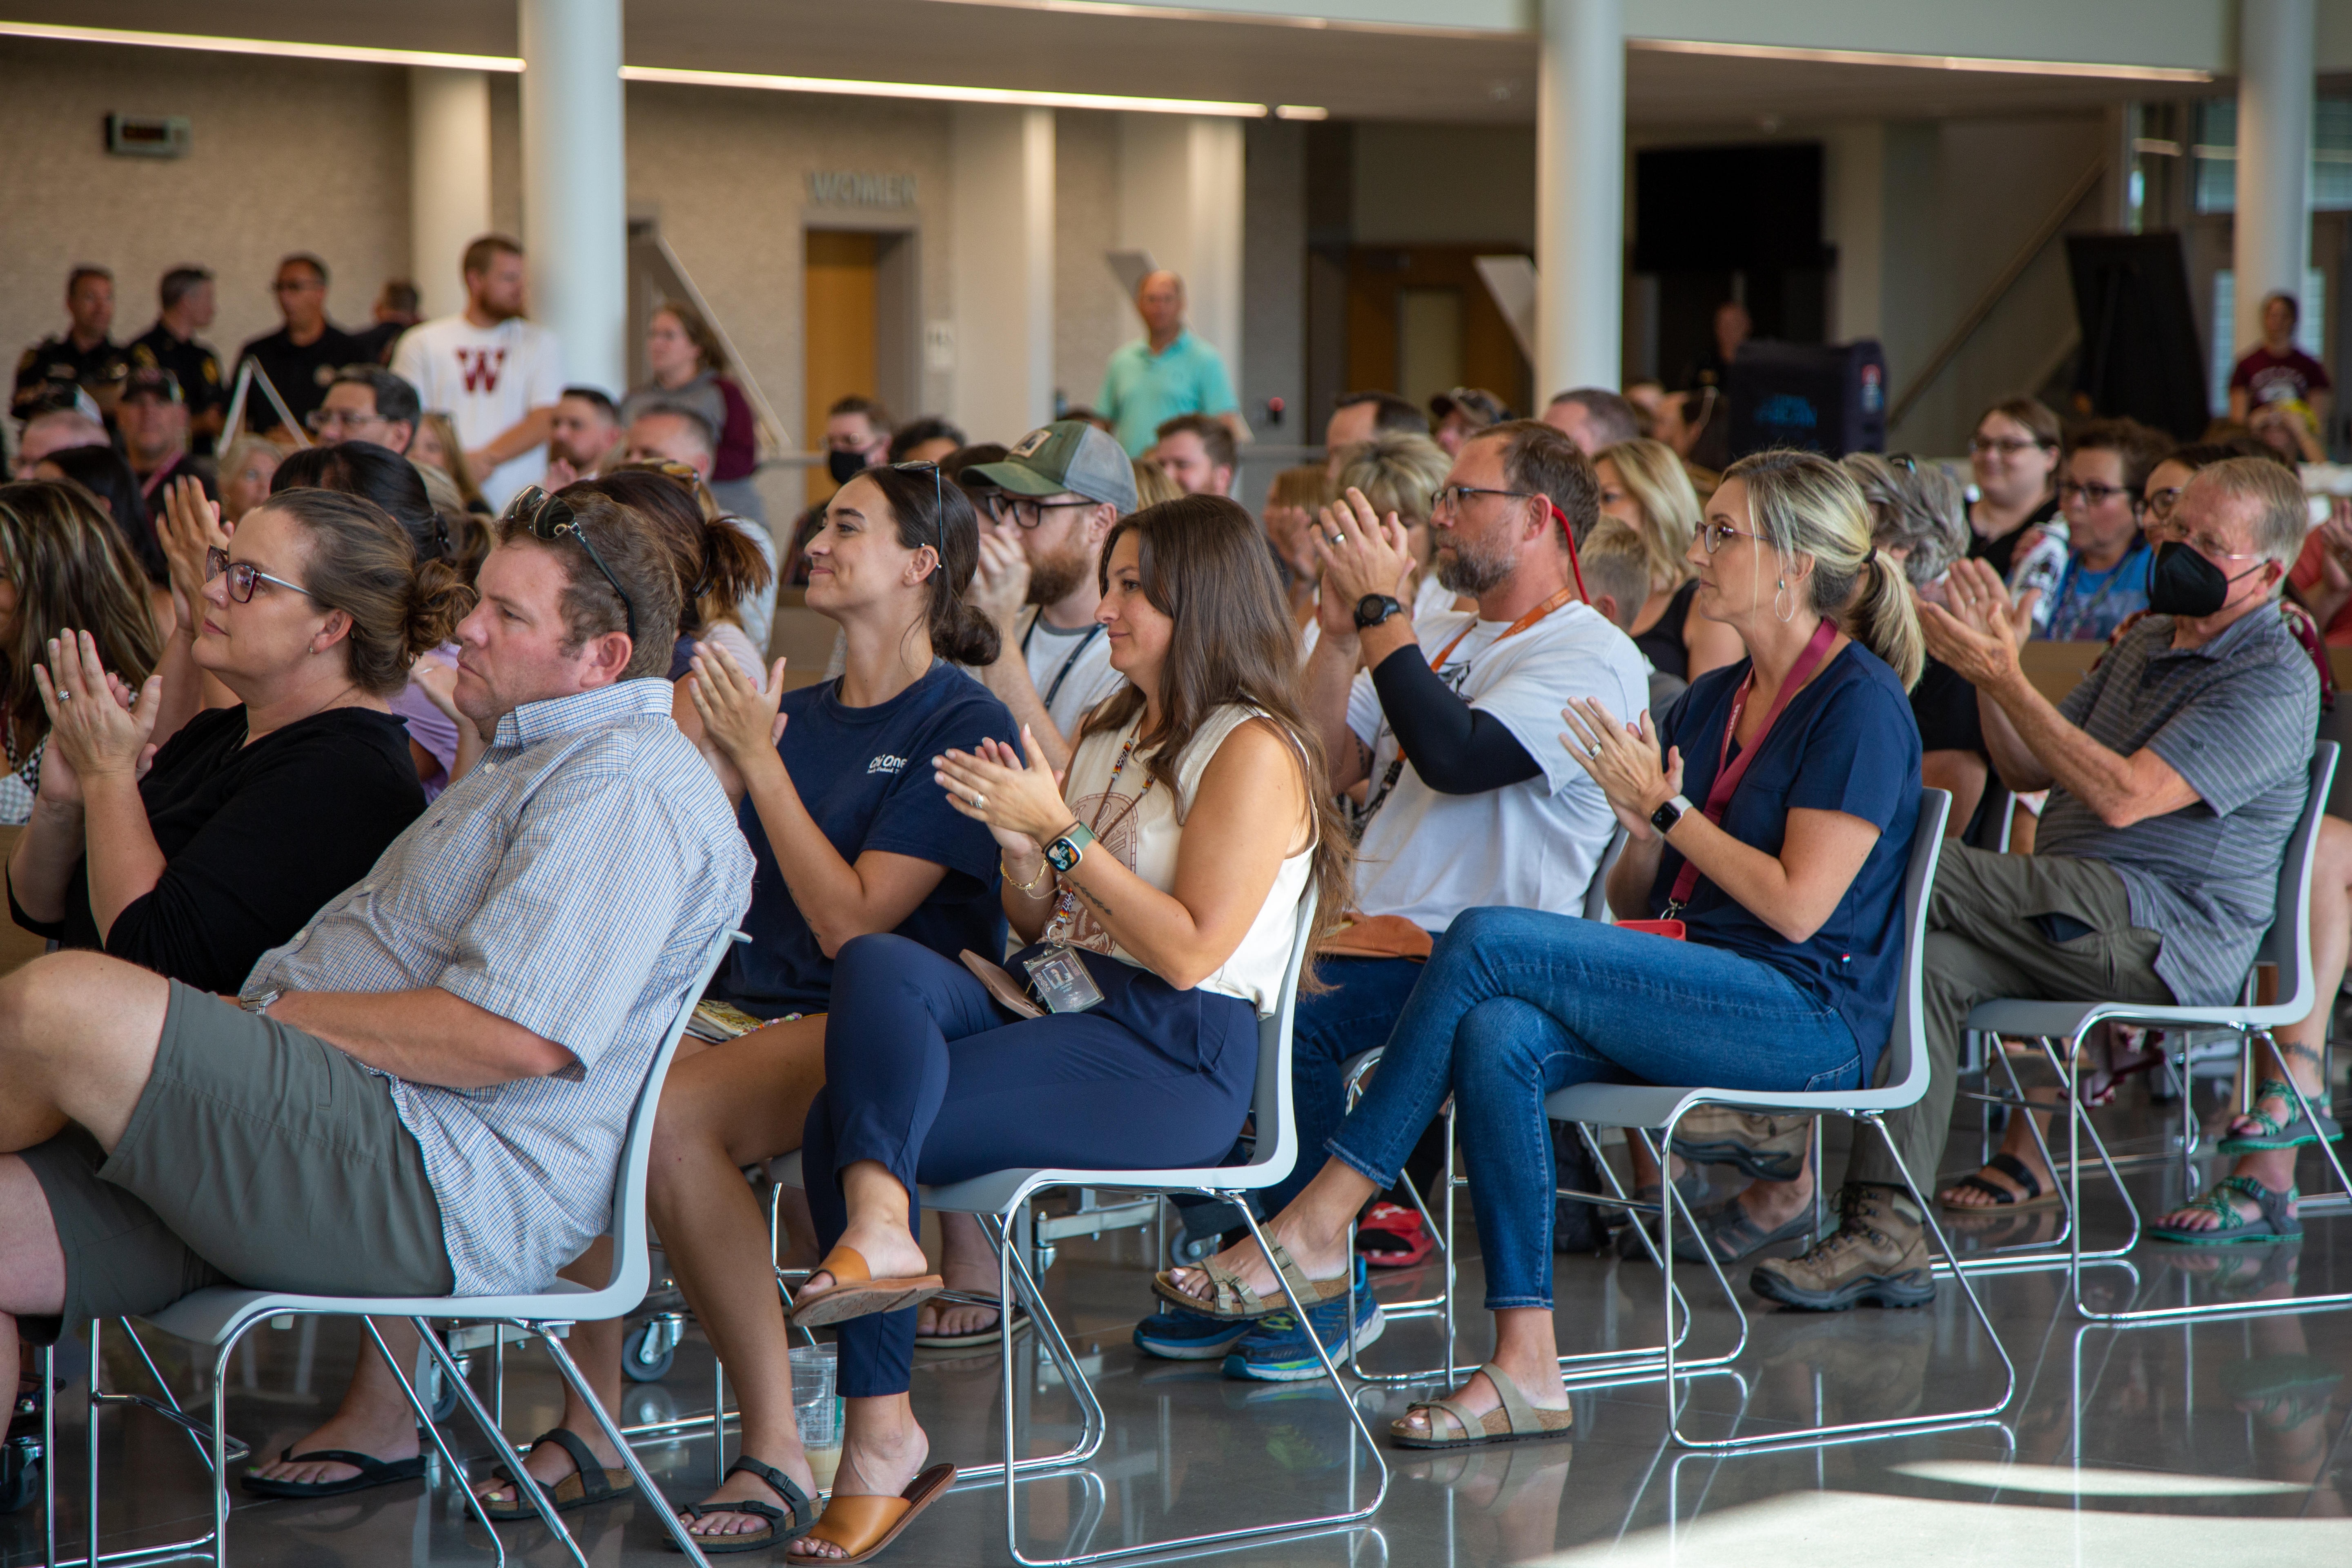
(1338, 539)
(978, 801)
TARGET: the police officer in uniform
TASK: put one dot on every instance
(82, 355)
(170, 344)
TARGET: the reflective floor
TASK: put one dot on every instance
(2225, 1441)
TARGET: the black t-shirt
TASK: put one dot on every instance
(256, 839)
(2000, 553)
(1945, 707)
(1663, 643)
(196, 366)
(57, 363)
(301, 372)
(374, 342)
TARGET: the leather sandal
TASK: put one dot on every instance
(591, 1482)
(2028, 1195)
(855, 1293)
(795, 1520)
(1516, 1422)
(2292, 1133)
(1233, 1300)
(861, 1526)
(372, 1472)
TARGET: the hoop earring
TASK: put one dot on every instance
(1790, 613)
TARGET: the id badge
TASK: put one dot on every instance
(1062, 981)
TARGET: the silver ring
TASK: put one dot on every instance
(978, 801)
(1593, 752)
(63, 695)
(1338, 539)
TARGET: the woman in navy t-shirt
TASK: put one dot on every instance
(1791, 903)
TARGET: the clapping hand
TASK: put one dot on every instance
(1360, 555)
(94, 730)
(190, 527)
(999, 583)
(739, 719)
(1019, 800)
(1979, 628)
(1623, 760)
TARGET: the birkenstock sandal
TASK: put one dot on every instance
(1519, 1422)
(2272, 1221)
(2292, 1133)
(374, 1472)
(590, 1481)
(1232, 1300)
(861, 1526)
(855, 1293)
(2030, 1194)
(795, 1520)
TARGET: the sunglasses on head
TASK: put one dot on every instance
(938, 501)
(550, 518)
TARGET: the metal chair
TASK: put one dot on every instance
(217, 1319)
(999, 1197)
(2285, 950)
(1904, 1068)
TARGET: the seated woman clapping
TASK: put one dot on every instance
(1788, 883)
(1161, 887)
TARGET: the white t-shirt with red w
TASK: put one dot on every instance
(485, 379)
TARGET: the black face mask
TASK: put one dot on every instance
(2185, 583)
(844, 466)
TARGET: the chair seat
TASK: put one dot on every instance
(998, 1191)
(1651, 1105)
(212, 1317)
(2063, 1020)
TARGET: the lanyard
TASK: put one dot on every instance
(1063, 674)
(1730, 771)
(1066, 903)
(1396, 764)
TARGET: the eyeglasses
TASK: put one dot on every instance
(1026, 513)
(2008, 447)
(2091, 493)
(1453, 497)
(243, 576)
(550, 518)
(1715, 535)
(938, 501)
(2162, 502)
(1903, 461)
(323, 420)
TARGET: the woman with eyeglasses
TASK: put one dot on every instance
(195, 856)
(1770, 811)
(2014, 457)
(2105, 578)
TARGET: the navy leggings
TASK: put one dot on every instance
(925, 1074)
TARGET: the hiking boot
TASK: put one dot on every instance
(1879, 1254)
(1763, 1147)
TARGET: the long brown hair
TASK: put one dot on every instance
(1203, 564)
(73, 568)
(716, 561)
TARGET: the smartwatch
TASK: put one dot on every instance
(1667, 816)
(1064, 852)
(1374, 608)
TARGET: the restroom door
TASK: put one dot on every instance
(843, 274)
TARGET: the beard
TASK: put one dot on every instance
(1057, 576)
(1464, 566)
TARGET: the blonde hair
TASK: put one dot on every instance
(238, 450)
(1398, 473)
(444, 430)
(1307, 486)
(1803, 503)
(1152, 484)
(1655, 477)
(1616, 562)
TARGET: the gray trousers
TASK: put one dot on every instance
(1983, 942)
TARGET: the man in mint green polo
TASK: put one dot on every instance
(1167, 372)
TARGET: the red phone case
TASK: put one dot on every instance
(1671, 930)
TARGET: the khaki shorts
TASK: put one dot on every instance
(258, 1155)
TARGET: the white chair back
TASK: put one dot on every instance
(1904, 1066)
(2287, 943)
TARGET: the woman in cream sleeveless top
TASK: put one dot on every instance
(1159, 893)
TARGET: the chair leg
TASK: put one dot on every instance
(497, 1439)
(1015, 1283)
(440, 1443)
(681, 1536)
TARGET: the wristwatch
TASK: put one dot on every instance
(1667, 816)
(1374, 608)
(259, 1004)
(1064, 852)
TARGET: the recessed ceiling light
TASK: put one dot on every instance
(1922, 62)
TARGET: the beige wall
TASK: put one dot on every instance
(1092, 315)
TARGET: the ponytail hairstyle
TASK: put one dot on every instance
(363, 563)
(928, 512)
(1804, 504)
(1203, 564)
(715, 561)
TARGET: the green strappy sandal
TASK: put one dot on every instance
(2273, 1221)
(2292, 1133)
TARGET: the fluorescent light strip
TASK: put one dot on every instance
(1923, 62)
(357, 55)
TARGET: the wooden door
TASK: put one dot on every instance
(842, 269)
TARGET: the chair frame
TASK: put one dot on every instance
(219, 1318)
(2287, 945)
(1906, 1061)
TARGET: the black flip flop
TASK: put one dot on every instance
(594, 1482)
(977, 1337)
(783, 1525)
(2028, 1195)
(374, 1472)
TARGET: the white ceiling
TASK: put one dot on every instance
(1457, 76)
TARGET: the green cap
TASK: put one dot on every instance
(1069, 455)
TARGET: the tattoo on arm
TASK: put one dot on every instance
(1088, 894)
(1364, 758)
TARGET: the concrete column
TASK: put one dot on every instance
(1855, 186)
(1181, 198)
(2277, 39)
(1579, 196)
(575, 184)
(1002, 255)
(448, 179)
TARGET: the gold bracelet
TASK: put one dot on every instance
(1029, 888)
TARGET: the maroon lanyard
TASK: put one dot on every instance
(1729, 770)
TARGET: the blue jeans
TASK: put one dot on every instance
(1352, 1017)
(1516, 1004)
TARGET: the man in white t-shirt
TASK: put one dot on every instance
(496, 375)
(1452, 721)
(1058, 490)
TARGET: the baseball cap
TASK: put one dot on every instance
(1067, 454)
(152, 379)
(1478, 407)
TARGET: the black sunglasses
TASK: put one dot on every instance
(550, 518)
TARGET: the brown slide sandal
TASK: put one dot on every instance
(861, 1526)
(855, 1293)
